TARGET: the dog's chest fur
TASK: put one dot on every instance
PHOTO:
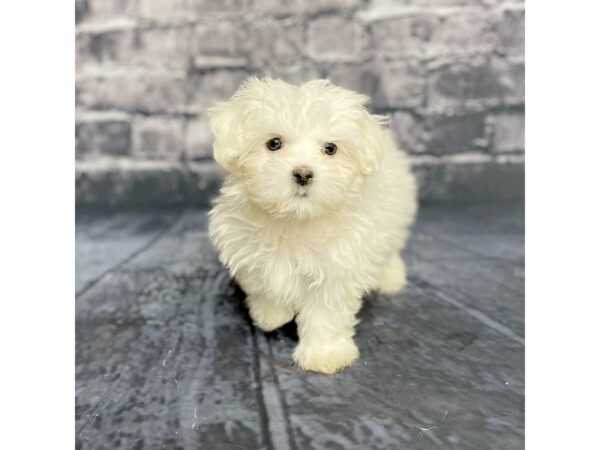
(288, 258)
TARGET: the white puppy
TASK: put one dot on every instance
(314, 211)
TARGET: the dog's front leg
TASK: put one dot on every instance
(325, 330)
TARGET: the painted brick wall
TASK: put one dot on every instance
(450, 73)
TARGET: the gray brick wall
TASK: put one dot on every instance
(449, 73)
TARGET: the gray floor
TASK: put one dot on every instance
(167, 358)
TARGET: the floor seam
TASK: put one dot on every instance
(98, 279)
(142, 249)
(262, 407)
(284, 405)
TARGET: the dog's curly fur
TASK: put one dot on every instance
(309, 252)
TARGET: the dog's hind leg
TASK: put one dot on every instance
(268, 314)
(393, 276)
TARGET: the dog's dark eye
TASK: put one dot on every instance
(274, 144)
(330, 148)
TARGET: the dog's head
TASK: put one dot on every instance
(299, 151)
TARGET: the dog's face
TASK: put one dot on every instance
(298, 151)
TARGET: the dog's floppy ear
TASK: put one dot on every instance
(226, 121)
(373, 142)
(222, 122)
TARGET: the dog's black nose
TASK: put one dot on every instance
(303, 175)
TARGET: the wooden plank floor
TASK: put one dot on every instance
(167, 357)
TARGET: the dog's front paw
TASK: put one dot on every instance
(268, 315)
(326, 358)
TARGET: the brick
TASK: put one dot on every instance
(511, 30)
(465, 82)
(81, 10)
(404, 36)
(477, 81)
(400, 84)
(456, 133)
(106, 47)
(158, 138)
(409, 132)
(356, 77)
(464, 32)
(218, 38)
(163, 10)
(273, 43)
(160, 48)
(205, 89)
(334, 37)
(290, 7)
(108, 134)
(101, 10)
(158, 94)
(166, 48)
(433, 34)
(509, 132)
(513, 80)
(198, 140)
(145, 92)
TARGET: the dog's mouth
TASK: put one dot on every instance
(301, 192)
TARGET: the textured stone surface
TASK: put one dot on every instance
(104, 134)
(146, 93)
(166, 356)
(509, 132)
(450, 73)
(410, 131)
(156, 138)
(455, 133)
(198, 139)
(401, 85)
(334, 38)
(121, 183)
(274, 42)
(434, 33)
(471, 180)
(512, 30)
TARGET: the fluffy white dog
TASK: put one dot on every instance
(314, 211)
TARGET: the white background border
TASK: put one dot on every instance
(562, 224)
(37, 320)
